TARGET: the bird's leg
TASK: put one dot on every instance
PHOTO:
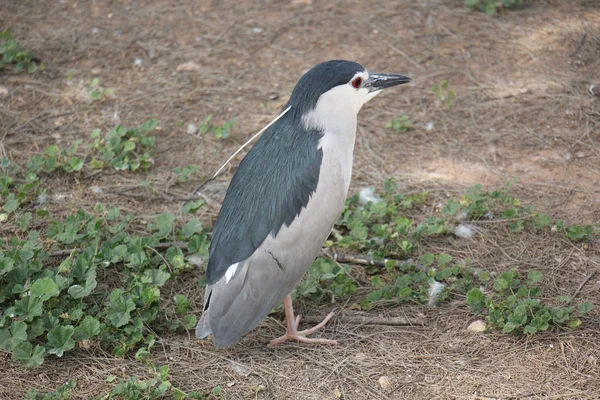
(292, 327)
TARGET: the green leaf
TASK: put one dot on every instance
(78, 291)
(36, 328)
(9, 338)
(585, 308)
(500, 284)
(11, 204)
(192, 227)
(193, 206)
(577, 232)
(471, 4)
(561, 315)
(189, 321)
(573, 324)
(199, 244)
(476, 300)
(375, 295)
(163, 372)
(534, 277)
(24, 221)
(87, 328)
(542, 221)
(60, 339)
(530, 329)
(29, 307)
(451, 208)
(28, 356)
(509, 327)
(149, 125)
(427, 259)
(156, 276)
(444, 259)
(119, 308)
(44, 289)
(182, 303)
(163, 225)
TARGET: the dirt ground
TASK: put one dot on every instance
(522, 113)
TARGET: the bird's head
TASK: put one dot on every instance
(338, 88)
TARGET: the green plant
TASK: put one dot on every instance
(220, 131)
(401, 124)
(513, 305)
(97, 92)
(12, 53)
(326, 278)
(492, 7)
(62, 393)
(183, 174)
(55, 158)
(158, 386)
(124, 148)
(444, 94)
(50, 308)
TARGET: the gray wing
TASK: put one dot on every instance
(235, 306)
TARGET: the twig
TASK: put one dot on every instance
(363, 320)
(582, 284)
(366, 260)
(579, 44)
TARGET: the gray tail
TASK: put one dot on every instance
(203, 329)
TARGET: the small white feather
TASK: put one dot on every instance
(231, 272)
(250, 140)
(367, 195)
(464, 231)
(435, 289)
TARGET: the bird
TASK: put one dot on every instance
(283, 201)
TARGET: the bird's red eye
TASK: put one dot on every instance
(357, 82)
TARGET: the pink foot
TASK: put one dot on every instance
(292, 332)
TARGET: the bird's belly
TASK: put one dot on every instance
(296, 246)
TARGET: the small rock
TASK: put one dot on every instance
(568, 156)
(3, 91)
(58, 197)
(464, 231)
(95, 189)
(138, 62)
(429, 126)
(3, 217)
(230, 384)
(595, 90)
(477, 326)
(240, 369)
(580, 154)
(188, 67)
(192, 129)
(42, 199)
(257, 30)
(385, 383)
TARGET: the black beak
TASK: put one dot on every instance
(382, 81)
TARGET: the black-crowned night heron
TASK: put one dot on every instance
(283, 201)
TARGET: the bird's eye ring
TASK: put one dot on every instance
(357, 82)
